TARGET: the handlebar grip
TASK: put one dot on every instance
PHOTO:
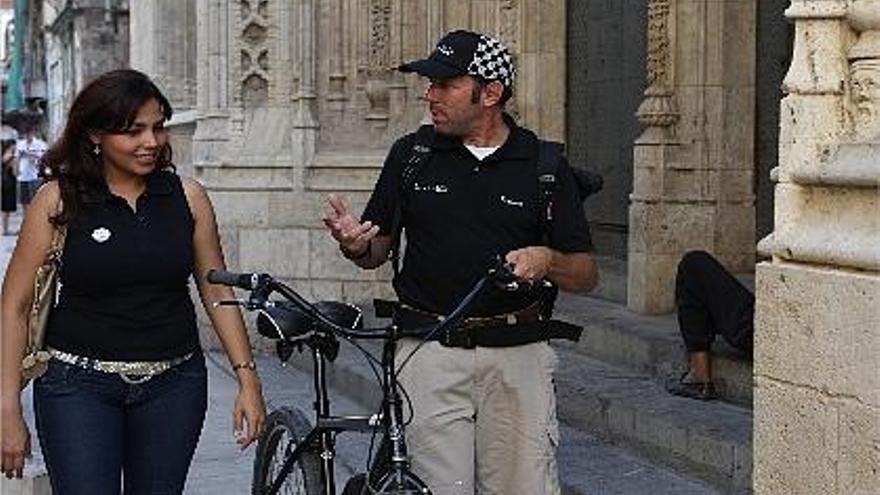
(501, 272)
(247, 281)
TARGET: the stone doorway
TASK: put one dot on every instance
(606, 84)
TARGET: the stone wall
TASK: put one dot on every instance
(817, 395)
(312, 104)
(83, 40)
(693, 164)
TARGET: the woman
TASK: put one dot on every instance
(9, 183)
(125, 392)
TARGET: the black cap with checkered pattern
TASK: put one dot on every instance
(462, 53)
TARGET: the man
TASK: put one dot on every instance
(709, 301)
(484, 415)
(28, 151)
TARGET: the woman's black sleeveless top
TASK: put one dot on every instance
(125, 277)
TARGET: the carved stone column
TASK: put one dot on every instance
(212, 103)
(305, 126)
(163, 45)
(817, 395)
(336, 51)
(692, 176)
(379, 66)
(653, 150)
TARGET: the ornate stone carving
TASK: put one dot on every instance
(508, 21)
(255, 75)
(377, 89)
(659, 108)
(380, 34)
(865, 95)
(864, 69)
(509, 24)
(336, 41)
(658, 42)
(254, 91)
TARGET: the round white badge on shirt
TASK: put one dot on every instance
(101, 234)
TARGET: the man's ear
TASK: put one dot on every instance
(492, 93)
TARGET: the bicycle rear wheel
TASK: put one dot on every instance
(285, 429)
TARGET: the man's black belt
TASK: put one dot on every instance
(521, 327)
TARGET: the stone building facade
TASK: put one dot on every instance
(286, 101)
(817, 395)
(81, 39)
(298, 98)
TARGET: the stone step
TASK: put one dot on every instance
(707, 441)
(649, 345)
(589, 465)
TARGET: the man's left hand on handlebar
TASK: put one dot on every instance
(530, 263)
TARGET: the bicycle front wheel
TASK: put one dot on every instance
(285, 429)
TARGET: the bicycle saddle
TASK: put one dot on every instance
(285, 320)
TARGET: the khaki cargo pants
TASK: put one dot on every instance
(484, 419)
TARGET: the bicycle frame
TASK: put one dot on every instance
(397, 477)
(327, 426)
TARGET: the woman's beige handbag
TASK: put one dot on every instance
(36, 358)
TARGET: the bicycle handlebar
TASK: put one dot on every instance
(500, 273)
(246, 281)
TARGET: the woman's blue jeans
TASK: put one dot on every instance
(98, 433)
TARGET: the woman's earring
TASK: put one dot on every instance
(96, 150)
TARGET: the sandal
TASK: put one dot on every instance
(692, 390)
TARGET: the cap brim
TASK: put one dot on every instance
(432, 68)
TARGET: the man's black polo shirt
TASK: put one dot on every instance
(461, 212)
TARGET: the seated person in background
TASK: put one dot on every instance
(709, 301)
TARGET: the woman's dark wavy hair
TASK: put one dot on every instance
(108, 104)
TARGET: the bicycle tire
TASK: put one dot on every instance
(285, 428)
(381, 466)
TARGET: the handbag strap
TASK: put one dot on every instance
(59, 236)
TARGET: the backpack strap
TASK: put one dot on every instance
(418, 154)
(549, 158)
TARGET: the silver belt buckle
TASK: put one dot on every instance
(135, 381)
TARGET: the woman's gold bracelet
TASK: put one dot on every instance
(247, 365)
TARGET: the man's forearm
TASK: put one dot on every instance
(573, 272)
(375, 254)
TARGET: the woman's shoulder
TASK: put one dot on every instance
(191, 187)
(48, 197)
(196, 196)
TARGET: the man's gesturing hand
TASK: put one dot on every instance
(352, 235)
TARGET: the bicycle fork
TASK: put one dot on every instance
(399, 475)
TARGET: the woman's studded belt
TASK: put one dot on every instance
(143, 370)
